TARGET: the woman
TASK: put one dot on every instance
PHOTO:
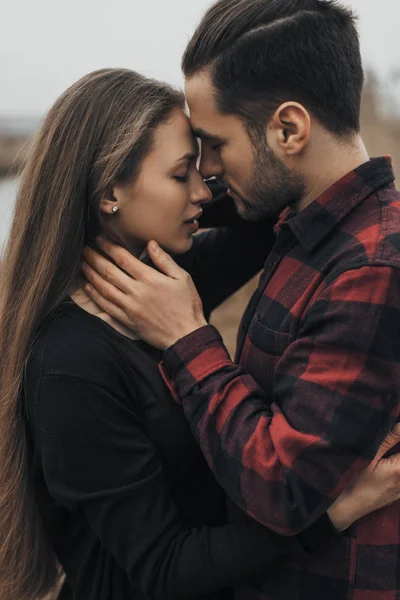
(99, 472)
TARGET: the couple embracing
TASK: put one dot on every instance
(137, 458)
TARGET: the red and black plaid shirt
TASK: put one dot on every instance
(315, 387)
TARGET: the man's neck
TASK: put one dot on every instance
(335, 161)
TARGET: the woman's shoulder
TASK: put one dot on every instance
(75, 343)
(77, 373)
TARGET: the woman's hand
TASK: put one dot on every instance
(374, 488)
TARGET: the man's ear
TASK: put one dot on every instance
(289, 129)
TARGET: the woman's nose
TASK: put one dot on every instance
(201, 193)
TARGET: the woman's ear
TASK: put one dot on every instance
(109, 204)
(289, 130)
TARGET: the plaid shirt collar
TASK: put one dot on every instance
(316, 221)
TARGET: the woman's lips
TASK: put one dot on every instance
(193, 225)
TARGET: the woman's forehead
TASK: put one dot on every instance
(175, 136)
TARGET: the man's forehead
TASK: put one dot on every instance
(199, 91)
(205, 119)
(207, 122)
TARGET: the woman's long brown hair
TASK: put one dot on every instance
(96, 134)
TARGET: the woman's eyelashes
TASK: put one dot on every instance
(181, 178)
(191, 171)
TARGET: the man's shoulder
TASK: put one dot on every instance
(389, 247)
(371, 233)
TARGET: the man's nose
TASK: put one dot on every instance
(210, 164)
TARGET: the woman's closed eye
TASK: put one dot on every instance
(181, 178)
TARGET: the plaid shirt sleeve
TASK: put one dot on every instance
(284, 460)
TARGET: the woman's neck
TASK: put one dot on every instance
(80, 298)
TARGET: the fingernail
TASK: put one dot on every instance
(84, 265)
(153, 246)
(100, 240)
(88, 288)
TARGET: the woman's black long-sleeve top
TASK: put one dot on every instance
(126, 496)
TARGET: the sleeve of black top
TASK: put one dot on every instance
(97, 458)
(223, 258)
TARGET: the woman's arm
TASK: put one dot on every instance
(98, 458)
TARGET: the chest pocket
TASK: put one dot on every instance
(262, 351)
(268, 340)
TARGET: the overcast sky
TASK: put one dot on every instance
(45, 45)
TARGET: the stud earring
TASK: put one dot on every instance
(115, 209)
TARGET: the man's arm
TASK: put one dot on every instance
(335, 398)
(335, 390)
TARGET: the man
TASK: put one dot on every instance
(274, 94)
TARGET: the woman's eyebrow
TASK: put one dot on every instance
(189, 156)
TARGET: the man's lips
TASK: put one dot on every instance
(233, 194)
(229, 190)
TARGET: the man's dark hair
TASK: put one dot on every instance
(265, 52)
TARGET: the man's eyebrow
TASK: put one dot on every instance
(204, 135)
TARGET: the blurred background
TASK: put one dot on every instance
(46, 45)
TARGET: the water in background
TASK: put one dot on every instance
(7, 197)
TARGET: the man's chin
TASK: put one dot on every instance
(243, 208)
(248, 212)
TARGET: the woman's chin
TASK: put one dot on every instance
(180, 247)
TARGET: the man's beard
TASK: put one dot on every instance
(272, 188)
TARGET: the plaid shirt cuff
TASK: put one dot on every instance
(193, 358)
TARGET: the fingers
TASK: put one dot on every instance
(164, 261)
(105, 289)
(391, 440)
(108, 271)
(109, 307)
(125, 260)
